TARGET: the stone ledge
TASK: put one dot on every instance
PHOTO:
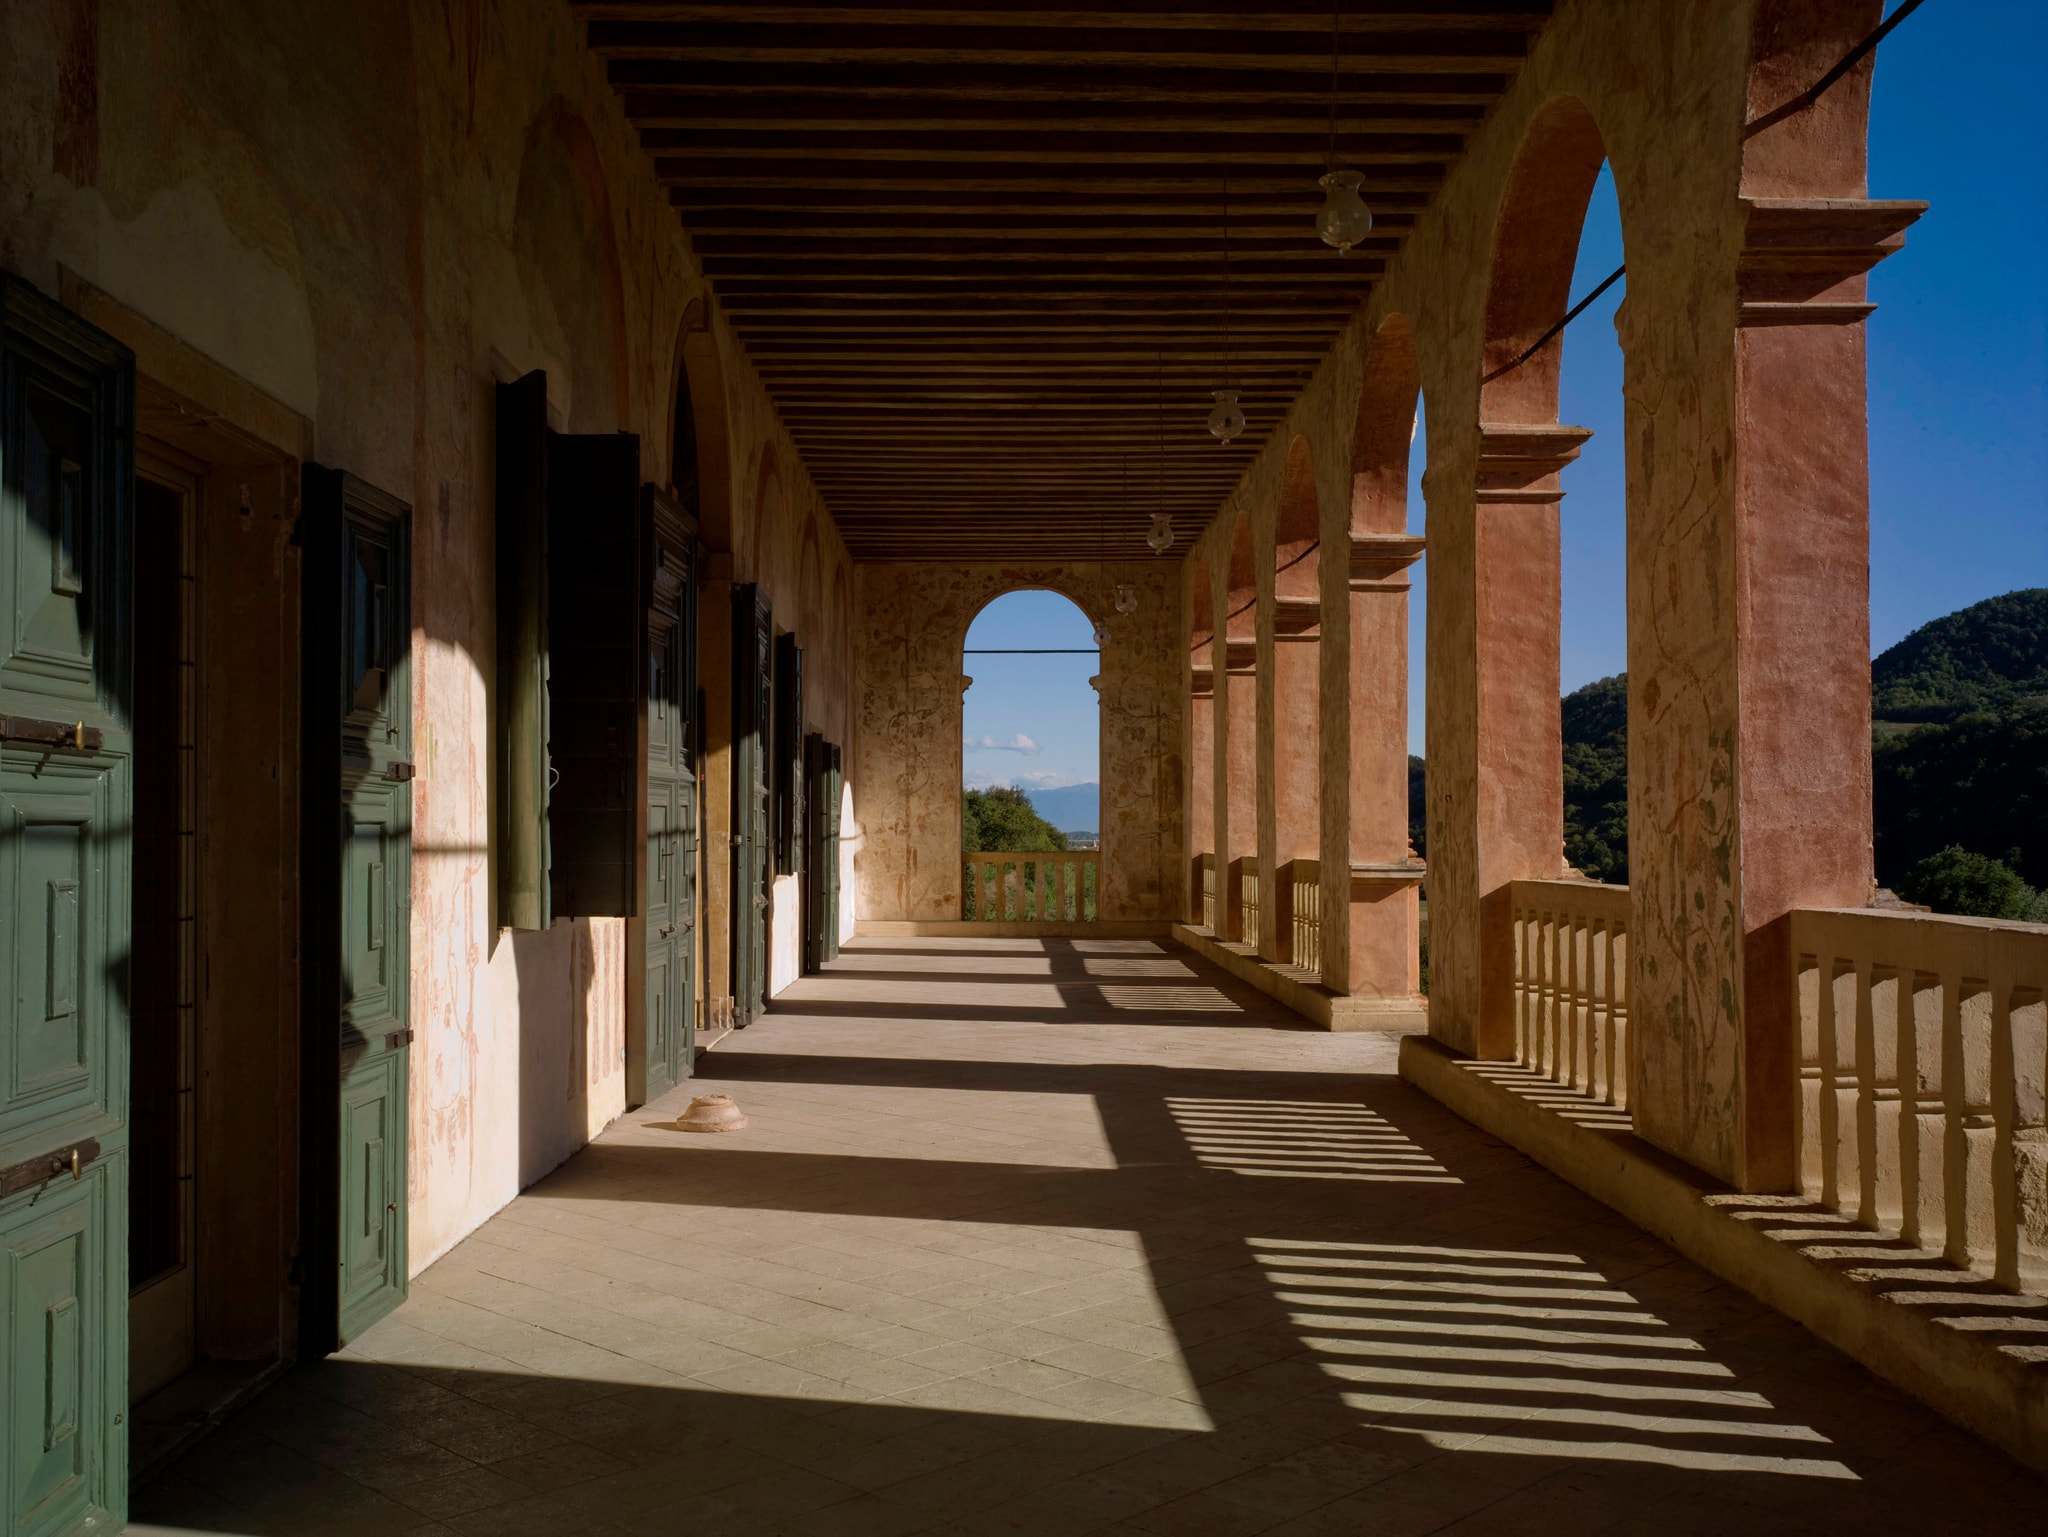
(1949, 1337)
(938, 928)
(1299, 990)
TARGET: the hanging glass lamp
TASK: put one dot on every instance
(1344, 220)
(1160, 534)
(1226, 420)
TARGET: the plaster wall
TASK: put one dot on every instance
(911, 627)
(1669, 87)
(372, 214)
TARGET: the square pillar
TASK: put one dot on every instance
(1749, 690)
(1297, 831)
(1201, 780)
(1378, 888)
(1496, 810)
(1238, 836)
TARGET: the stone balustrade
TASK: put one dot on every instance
(1301, 890)
(1248, 900)
(1058, 887)
(1208, 878)
(1923, 1060)
(1571, 984)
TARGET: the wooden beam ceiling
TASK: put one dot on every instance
(976, 251)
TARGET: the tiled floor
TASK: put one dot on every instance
(1067, 1237)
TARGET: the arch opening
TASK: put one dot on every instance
(1031, 759)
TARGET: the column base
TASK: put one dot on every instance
(1301, 991)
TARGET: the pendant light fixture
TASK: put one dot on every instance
(1344, 220)
(1226, 421)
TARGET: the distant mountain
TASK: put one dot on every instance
(1071, 808)
(1984, 657)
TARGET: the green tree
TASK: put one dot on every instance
(1977, 783)
(1003, 820)
(1984, 657)
(1596, 778)
(1953, 880)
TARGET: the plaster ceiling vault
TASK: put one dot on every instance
(964, 243)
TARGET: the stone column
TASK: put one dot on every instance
(1201, 778)
(1240, 800)
(1297, 636)
(714, 676)
(1503, 818)
(1379, 888)
(1749, 689)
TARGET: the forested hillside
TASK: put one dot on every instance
(1959, 760)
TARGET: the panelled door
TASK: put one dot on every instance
(357, 857)
(821, 869)
(663, 1053)
(753, 659)
(66, 793)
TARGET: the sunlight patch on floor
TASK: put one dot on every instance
(1303, 1139)
(1524, 1353)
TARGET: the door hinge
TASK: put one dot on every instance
(396, 1039)
(398, 773)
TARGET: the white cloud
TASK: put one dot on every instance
(1018, 744)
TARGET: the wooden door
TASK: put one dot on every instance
(357, 861)
(829, 848)
(66, 752)
(661, 1042)
(821, 838)
(753, 653)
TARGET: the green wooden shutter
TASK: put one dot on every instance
(661, 1041)
(356, 904)
(66, 752)
(519, 788)
(753, 659)
(789, 756)
(596, 633)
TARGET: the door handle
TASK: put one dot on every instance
(41, 1170)
(69, 736)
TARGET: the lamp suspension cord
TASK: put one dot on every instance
(1227, 354)
(1750, 130)
(1336, 32)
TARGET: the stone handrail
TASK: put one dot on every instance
(1301, 889)
(1571, 984)
(1052, 887)
(1923, 1062)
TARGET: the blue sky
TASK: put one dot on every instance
(1958, 375)
(1958, 349)
(1030, 720)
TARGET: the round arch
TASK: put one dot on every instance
(700, 469)
(1535, 246)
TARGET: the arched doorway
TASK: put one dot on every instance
(1030, 760)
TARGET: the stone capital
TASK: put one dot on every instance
(1297, 618)
(1803, 259)
(1380, 562)
(1519, 463)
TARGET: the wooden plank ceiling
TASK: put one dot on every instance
(976, 250)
